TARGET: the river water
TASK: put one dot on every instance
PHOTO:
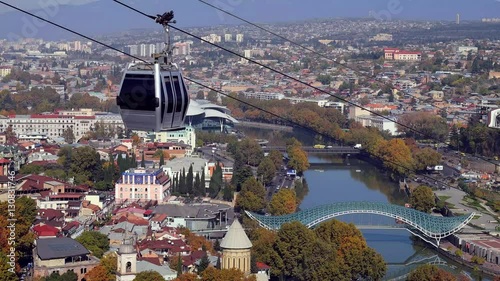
(335, 180)
(332, 180)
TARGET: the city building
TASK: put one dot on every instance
(212, 38)
(182, 49)
(126, 262)
(382, 37)
(236, 249)
(239, 38)
(5, 70)
(228, 37)
(142, 185)
(195, 217)
(174, 167)
(37, 127)
(340, 106)
(494, 119)
(186, 136)
(263, 96)
(207, 116)
(60, 255)
(464, 50)
(401, 55)
(378, 122)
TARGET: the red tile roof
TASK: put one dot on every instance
(45, 230)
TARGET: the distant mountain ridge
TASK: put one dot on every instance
(105, 16)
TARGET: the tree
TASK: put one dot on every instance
(298, 159)
(204, 263)
(228, 193)
(424, 125)
(396, 156)
(96, 242)
(67, 276)
(10, 135)
(429, 272)
(143, 163)
(324, 79)
(277, 158)
(284, 202)
(68, 135)
(426, 157)
(187, 277)
(86, 165)
(266, 171)
(252, 196)
(149, 276)
(4, 265)
(189, 181)
(422, 199)
(99, 273)
(162, 159)
(251, 152)
(294, 245)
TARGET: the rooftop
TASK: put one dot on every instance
(236, 238)
(56, 248)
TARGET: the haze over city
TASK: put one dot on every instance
(310, 141)
(104, 16)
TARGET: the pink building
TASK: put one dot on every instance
(142, 185)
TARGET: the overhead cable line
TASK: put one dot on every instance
(280, 72)
(330, 59)
(277, 35)
(208, 87)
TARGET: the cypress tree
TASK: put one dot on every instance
(143, 163)
(128, 163)
(203, 190)
(204, 262)
(197, 185)
(162, 159)
(182, 182)
(218, 265)
(179, 265)
(189, 181)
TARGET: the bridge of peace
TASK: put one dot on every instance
(427, 227)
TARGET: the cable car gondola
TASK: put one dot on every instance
(153, 96)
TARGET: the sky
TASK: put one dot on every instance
(104, 16)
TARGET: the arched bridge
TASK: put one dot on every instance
(418, 223)
(312, 150)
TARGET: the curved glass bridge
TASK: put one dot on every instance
(421, 224)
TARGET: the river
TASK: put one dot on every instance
(335, 180)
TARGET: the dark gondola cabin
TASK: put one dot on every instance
(153, 96)
(150, 106)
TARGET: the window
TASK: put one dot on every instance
(128, 267)
(138, 93)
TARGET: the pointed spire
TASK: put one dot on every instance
(236, 238)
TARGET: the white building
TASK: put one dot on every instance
(186, 136)
(494, 119)
(212, 38)
(228, 37)
(378, 122)
(340, 106)
(264, 96)
(239, 38)
(42, 126)
(464, 50)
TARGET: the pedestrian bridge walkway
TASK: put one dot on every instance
(423, 225)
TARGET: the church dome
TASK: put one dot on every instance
(236, 238)
(126, 249)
